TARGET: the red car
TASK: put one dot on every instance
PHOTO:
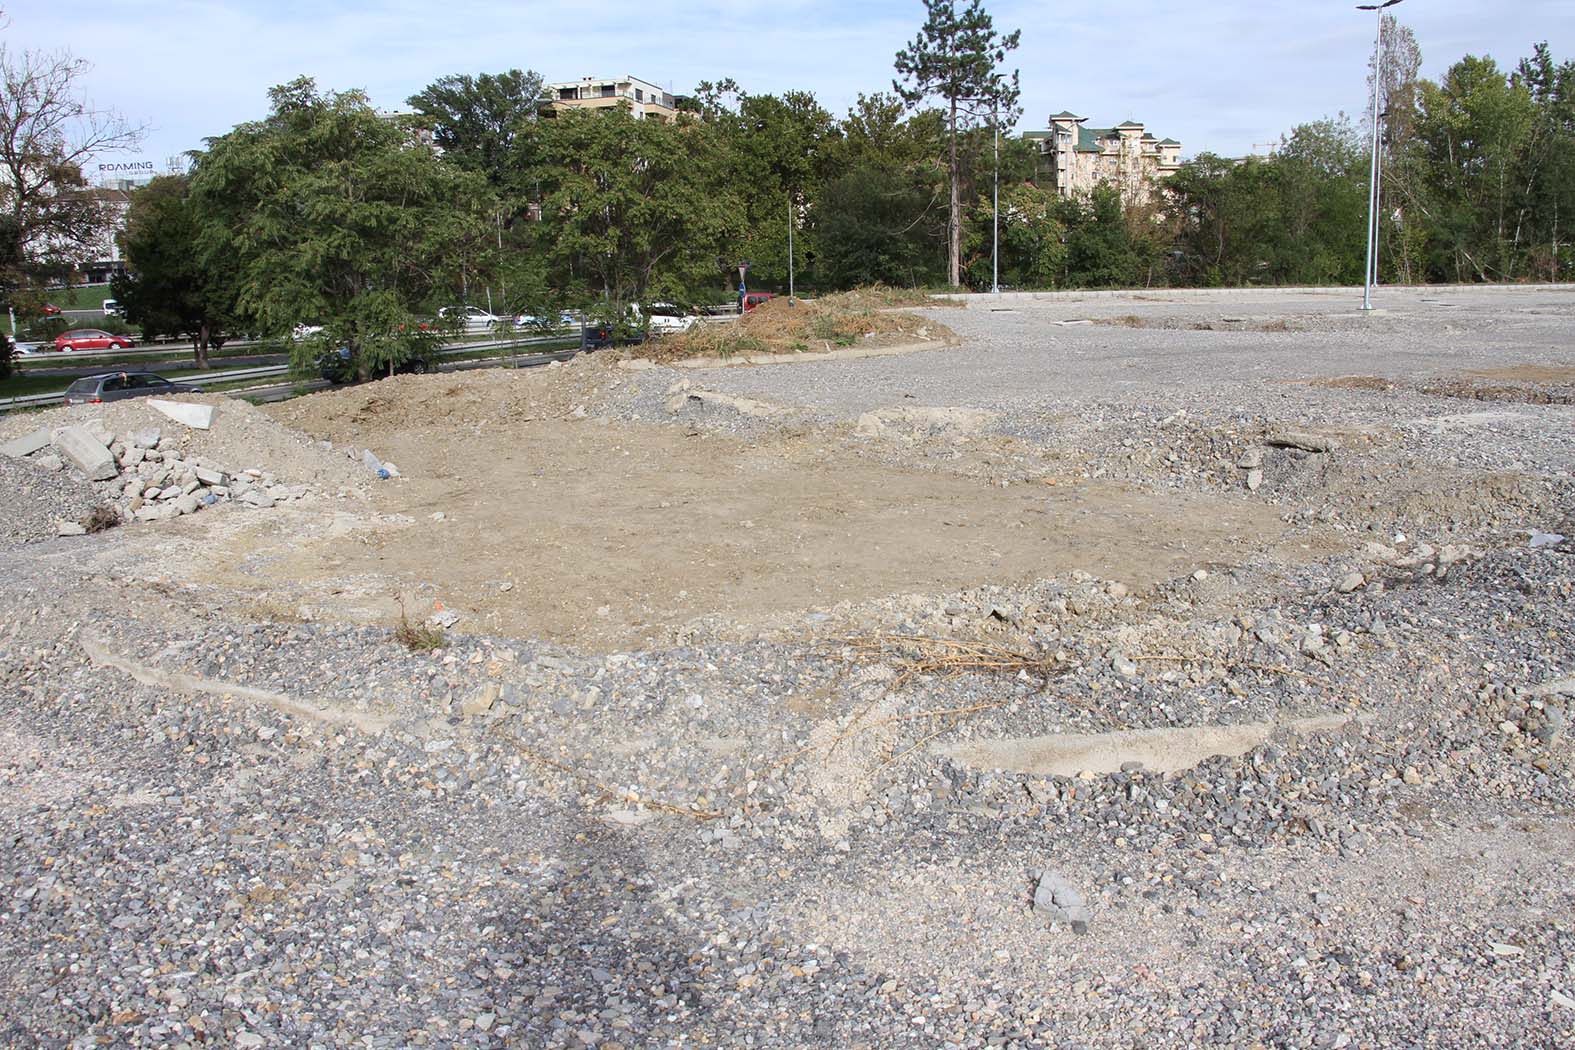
(51, 310)
(91, 339)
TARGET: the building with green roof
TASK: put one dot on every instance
(1075, 158)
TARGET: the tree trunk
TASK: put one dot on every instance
(954, 220)
(202, 345)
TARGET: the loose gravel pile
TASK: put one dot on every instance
(38, 500)
(222, 831)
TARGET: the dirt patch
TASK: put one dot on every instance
(1377, 384)
(785, 326)
(607, 535)
(1527, 393)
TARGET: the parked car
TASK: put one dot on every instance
(25, 349)
(471, 318)
(92, 339)
(754, 299)
(118, 386)
(666, 318)
(563, 320)
(337, 366)
(595, 335)
(51, 310)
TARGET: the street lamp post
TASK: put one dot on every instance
(1369, 274)
(995, 206)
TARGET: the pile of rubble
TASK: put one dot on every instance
(144, 474)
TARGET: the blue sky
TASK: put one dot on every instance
(1217, 76)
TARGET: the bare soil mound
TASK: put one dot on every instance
(787, 326)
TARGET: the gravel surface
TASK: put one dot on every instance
(256, 832)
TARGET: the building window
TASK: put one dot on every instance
(639, 95)
(568, 93)
(608, 91)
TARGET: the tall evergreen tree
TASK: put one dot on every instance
(957, 57)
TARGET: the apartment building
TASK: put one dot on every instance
(643, 98)
(1074, 158)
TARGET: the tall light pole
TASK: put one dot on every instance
(1372, 176)
(995, 206)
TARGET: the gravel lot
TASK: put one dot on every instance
(1304, 781)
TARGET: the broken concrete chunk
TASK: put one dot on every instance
(26, 445)
(1058, 900)
(481, 701)
(70, 528)
(1251, 459)
(1350, 582)
(198, 417)
(85, 452)
(49, 462)
(1300, 439)
(209, 477)
(144, 439)
(253, 498)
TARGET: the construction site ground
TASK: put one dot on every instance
(1159, 669)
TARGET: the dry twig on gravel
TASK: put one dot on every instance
(915, 655)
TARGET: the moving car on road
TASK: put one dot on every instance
(338, 366)
(118, 386)
(471, 318)
(92, 339)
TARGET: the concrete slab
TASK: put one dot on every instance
(26, 445)
(83, 451)
(1159, 750)
(198, 417)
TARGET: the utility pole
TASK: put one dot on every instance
(790, 247)
(1370, 273)
(995, 206)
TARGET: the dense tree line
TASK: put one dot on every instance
(326, 211)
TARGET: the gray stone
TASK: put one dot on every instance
(70, 528)
(48, 461)
(481, 701)
(1057, 900)
(198, 417)
(1254, 480)
(253, 498)
(371, 461)
(187, 504)
(1251, 459)
(133, 456)
(1300, 439)
(1350, 582)
(209, 477)
(26, 445)
(85, 452)
(170, 492)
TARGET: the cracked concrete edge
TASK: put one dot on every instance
(193, 685)
(1159, 750)
(846, 354)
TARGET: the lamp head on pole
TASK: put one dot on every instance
(1377, 7)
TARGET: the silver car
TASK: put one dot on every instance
(118, 386)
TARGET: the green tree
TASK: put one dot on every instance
(336, 215)
(477, 120)
(879, 225)
(956, 57)
(630, 210)
(167, 288)
(1547, 169)
(1472, 130)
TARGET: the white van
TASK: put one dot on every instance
(111, 308)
